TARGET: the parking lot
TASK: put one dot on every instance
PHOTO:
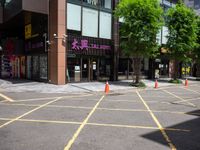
(152, 119)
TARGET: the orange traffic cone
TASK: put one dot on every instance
(107, 88)
(186, 82)
(156, 84)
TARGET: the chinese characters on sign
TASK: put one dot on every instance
(85, 45)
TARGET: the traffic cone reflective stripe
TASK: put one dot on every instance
(107, 88)
(186, 82)
(156, 84)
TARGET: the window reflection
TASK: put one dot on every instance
(92, 2)
(105, 4)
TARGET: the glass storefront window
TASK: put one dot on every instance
(90, 22)
(73, 17)
(35, 67)
(73, 70)
(91, 2)
(106, 4)
(43, 67)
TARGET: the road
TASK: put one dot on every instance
(152, 119)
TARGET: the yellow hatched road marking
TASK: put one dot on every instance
(15, 119)
(68, 146)
(178, 97)
(166, 137)
(103, 108)
(139, 127)
(47, 98)
(6, 97)
(190, 90)
(96, 124)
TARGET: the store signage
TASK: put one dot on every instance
(28, 31)
(30, 45)
(85, 45)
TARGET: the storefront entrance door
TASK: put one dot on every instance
(93, 69)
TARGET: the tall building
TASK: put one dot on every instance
(59, 41)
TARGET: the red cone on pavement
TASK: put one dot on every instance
(107, 88)
(186, 82)
(156, 84)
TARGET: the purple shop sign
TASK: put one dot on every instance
(31, 45)
(84, 44)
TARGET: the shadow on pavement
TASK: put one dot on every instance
(17, 81)
(182, 140)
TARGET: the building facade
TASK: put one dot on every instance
(62, 41)
(59, 41)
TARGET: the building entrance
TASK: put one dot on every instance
(86, 69)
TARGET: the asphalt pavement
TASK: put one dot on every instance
(132, 119)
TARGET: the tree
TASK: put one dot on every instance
(196, 52)
(142, 20)
(197, 48)
(181, 23)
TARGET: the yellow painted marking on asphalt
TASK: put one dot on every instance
(68, 146)
(119, 109)
(135, 127)
(101, 108)
(6, 97)
(190, 90)
(50, 121)
(3, 101)
(166, 137)
(96, 124)
(44, 121)
(49, 98)
(35, 99)
(120, 101)
(15, 119)
(187, 100)
(182, 100)
(54, 106)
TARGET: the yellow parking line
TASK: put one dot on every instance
(135, 127)
(166, 137)
(190, 90)
(102, 108)
(47, 98)
(15, 119)
(178, 97)
(6, 97)
(119, 109)
(35, 99)
(97, 124)
(44, 121)
(68, 146)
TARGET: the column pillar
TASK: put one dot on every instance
(57, 50)
(116, 44)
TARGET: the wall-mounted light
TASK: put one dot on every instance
(1, 49)
(64, 36)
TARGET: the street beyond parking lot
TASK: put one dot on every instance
(151, 119)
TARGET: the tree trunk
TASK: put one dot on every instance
(137, 69)
(176, 69)
(132, 65)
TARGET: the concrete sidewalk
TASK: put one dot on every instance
(40, 87)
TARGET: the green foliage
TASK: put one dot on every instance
(142, 21)
(139, 85)
(181, 23)
(197, 48)
(177, 81)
